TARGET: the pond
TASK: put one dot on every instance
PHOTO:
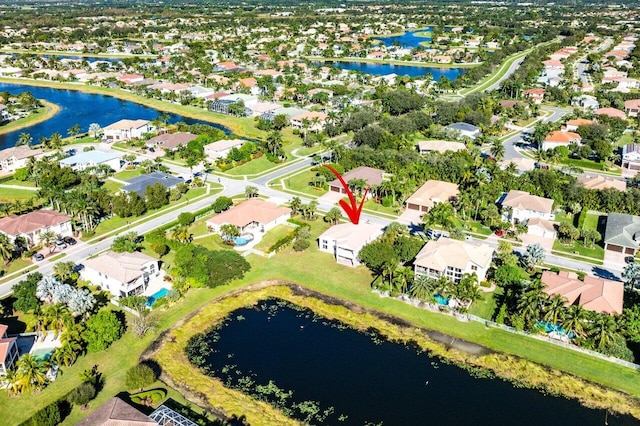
(83, 109)
(411, 71)
(342, 376)
(408, 39)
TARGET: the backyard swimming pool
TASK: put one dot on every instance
(243, 239)
(156, 296)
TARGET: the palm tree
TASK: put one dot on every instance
(48, 238)
(24, 139)
(67, 353)
(181, 233)
(31, 372)
(574, 319)
(274, 142)
(602, 329)
(403, 279)
(229, 231)
(94, 128)
(421, 288)
(57, 315)
(531, 302)
(6, 249)
(250, 191)
(295, 204)
(497, 150)
(554, 310)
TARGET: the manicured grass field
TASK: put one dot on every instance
(112, 186)
(26, 183)
(372, 206)
(300, 183)
(625, 139)
(578, 248)
(12, 194)
(591, 221)
(128, 174)
(485, 307)
(280, 231)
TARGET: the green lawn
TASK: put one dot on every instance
(272, 236)
(116, 222)
(112, 186)
(26, 183)
(12, 194)
(485, 307)
(300, 183)
(625, 139)
(261, 164)
(212, 242)
(304, 151)
(15, 265)
(372, 206)
(578, 248)
(199, 227)
(38, 115)
(128, 174)
(592, 221)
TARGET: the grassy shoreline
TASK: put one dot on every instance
(79, 54)
(241, 126)
(392, 62)
(181, 374)
(48, 110)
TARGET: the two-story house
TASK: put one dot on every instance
(16, 157)
(32, 225)
(520, 206)
(344, 241)
(452, 259)
(125, 130)
(122, 274)
(8, 350)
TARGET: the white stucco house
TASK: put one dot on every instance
(221, 148)
(520, 206)
(17, 157)
(452, 259)
(344, 241)
(122, 274)
(125, 130)
(252, 215)
(94, 158)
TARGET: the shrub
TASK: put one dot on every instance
(186, 218)
(21, 174)
(160, 249)
(221, 204)
(48, 416)
(387, 201)
(82, 394)
(103, 329)
(301, 244)
(149, 397)
(139, 376)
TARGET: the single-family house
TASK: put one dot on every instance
(221, 148)
(31, 225)
(8, 351)
(631, 158)
(140, 183)
(169, 141)
(586, 102)
(520, 206)
(431, 193)
(122, 274)
(253, 214)
(125, 130)
(316, 121)
(611, 112)
(344, 241)
(368, 174)
(559, 138)
(593, 293)
(536, 94)
(572, 125)
(600, 182)
(632, 107)
(622, 233)
(541, 228)
(452, 259)
(464, 129)
(16, 157)
(4, 113)
(440, 146)
(522, 164)
(116, 412)
(129, 79)
(94, 158)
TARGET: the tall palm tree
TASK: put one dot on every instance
(602, 329)
(554, 309)
(531, 302)
(6, 249)
(421, 288)
(67, 354)
(13, 382)
(31, 372)
(47, 238)
(574, 319)
(57, 316)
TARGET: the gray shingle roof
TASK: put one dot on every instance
(622, 230)
(139, 184)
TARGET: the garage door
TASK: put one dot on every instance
(617, 249)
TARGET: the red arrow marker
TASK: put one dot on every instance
(353, 210)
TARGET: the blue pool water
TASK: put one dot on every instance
(243, 240)
(157, 295)
(441, 300)
(43, 354)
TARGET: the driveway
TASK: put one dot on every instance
(331, 198)
(409, 217)
(546, 243)
(614, 259)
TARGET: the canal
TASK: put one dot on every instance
(342, 376)
(83, 109)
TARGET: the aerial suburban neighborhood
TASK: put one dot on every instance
(234, 213)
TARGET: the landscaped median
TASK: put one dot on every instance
(169, 352)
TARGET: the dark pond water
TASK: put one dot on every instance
(412, 71)
(84, 109)
(408, 39)
(368, 380)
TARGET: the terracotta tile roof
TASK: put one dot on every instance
(563, 137)
(310, 115)
(443, 252)
(632, 104)
(25, 223)
(19, 152)
(441, 146)
(542, 223)
(116, 412)
(253, 210)
(432, 192)
(601, 182)
(594, 294)
(3, 330)
(172, 140)
(525, 201)
(369, 174)
(223, 144)
(611, 112)
(579, 122)
(5, 344)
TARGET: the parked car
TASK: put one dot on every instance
(629, 259)
(38, 257)
(70, 240)
(434, 234)
(61, 244)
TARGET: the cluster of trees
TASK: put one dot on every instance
(155, 196)
(59, 303)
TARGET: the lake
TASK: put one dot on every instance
(356, 378)
(408, 39)
(84, 109)
(412, 71)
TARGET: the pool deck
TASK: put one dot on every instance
(156, 283)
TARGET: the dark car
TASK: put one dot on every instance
(38, 257)
(629, 259)
(70, 240)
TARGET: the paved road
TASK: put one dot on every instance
(581, 63)
(514, 66)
